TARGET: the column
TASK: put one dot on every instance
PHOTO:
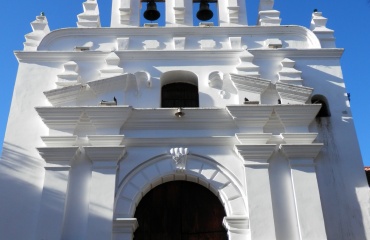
(54, 192)
(102, 190)
(255, 159)
(124, 228)
(306, 192)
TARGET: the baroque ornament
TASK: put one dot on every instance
(179, 155)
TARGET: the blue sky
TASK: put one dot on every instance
(349, 19)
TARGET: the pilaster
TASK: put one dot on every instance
(255, 159)
(102, 189)
(124, 228)
(306, 192)
(54, 193)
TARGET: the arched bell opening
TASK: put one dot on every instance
(180, 210)
(205, 11)
(179, 89)
(152, 13)
(324, 110)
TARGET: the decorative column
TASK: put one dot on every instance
(306, 192)
(124, 228)
(54, 193)
(255, 159)
(102, 189)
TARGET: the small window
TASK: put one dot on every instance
(324, 110)
(180, 94)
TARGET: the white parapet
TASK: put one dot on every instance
(40, 28)
(90, 17)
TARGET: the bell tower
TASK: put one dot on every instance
(126, 13)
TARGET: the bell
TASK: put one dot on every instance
(151, 13)
(204, 13)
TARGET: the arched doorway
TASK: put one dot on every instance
(180, 210)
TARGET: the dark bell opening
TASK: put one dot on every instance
(204, 13)
(151, 13)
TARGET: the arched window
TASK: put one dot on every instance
(324, 110)
(179, 89)
(180, 210)
(180, 95)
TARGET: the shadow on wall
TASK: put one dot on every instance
(21, 179)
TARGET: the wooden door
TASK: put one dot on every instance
(180, 210)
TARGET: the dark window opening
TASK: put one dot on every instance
(175, 95)
(180, 210)
(324, 110)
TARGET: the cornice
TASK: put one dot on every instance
(250, 115)
(181, 31)
(61, 156)
(180, 141)
(69, 117)
(250, 84)
(301, 151)
(298, 53)
(255, 153)
(59, 141)
(57, 56)
(253, 138)
(105, 140)
(298, 94)
(298, 138)
(62, 95)
(109, 155)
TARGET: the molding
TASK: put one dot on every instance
(181, 31)
(105, 157)
(297, 94)
(250, 115)
(69, 117)
(298, 138)
(125, 225)
(298, 53)
(249, 83)
(105, 140)
(301, 151)
(297, 115)
(195, 118)
(255, 154)
(236, 224)
(288, 73)
(183, 141)
(59, 141)
(253, 138)
(58, 156)
(64, 95)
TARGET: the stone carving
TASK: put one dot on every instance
(179, 155)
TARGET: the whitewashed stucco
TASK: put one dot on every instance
(74, 169)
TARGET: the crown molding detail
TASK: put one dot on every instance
(59, 141)
(253, 138)
(301, 151)
(298, 138)
(58, 156)
(67, 118)
(250, 116)
(293, 94)
(125, 225)
(105, 140)
(64, 95)
(246, 66)
(105, 157)
(236, 224)
(249, 83)
(255, 154)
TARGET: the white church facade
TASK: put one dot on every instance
(181, 132)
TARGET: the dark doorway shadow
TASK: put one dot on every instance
(180, 210)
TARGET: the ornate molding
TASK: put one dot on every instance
(293, 94)
(250, 116)
(288, 74)
(105, 140)
(179, 156)
(40, 29)
(298, 138)
(105, 157)
(69, 76)
(125, 225)
(249, 83)
(56, 157)
(246, 66)
(255, 154)
(253, 138)
(301, 151)
(64, 95)
(112, 66)
(236, 224)
(59, 141)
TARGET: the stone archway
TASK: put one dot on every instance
(200, 170)
(180, 210)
